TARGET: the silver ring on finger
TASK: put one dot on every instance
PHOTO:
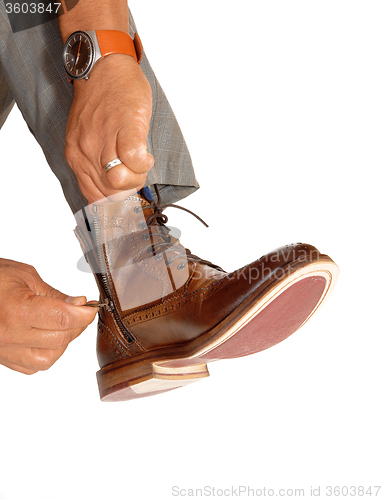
(111, 164)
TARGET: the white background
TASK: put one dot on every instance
(280, 103)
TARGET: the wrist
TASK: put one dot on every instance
(105, 70)
(84, 49)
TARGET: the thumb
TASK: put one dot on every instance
(76, 301)
(48, 291)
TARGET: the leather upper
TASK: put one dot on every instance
(138, 253)
(206, 299)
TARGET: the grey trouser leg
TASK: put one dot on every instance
(6, 99)
(32, 73)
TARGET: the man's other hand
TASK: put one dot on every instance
(37, 322)
(109, 118)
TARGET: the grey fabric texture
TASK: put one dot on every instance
(32, 75)
(6, 99)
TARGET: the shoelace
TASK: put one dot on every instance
(158, 218)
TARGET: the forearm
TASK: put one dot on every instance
(95, 14)
(111, 111)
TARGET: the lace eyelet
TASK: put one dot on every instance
(158, 256)
(137, 210)
(142, 225)
(145, 236)
(181, 266)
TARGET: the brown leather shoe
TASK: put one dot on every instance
(167, 313)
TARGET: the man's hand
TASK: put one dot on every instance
(37, 322)
(110, 118)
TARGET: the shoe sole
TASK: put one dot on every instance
(267, 317)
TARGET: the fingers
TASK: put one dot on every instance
(132, 150)
(51, 314)
(35, 350)
(37, 322)
(96, 184)
(30, 360)
(44, 339)
(29, 351)
(17, 368)
(122, 179)
(89, 189)
(136, 161)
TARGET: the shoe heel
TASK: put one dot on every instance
(122, 383)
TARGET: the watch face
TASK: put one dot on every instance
(78, 54)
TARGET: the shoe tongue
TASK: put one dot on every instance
(145, 193)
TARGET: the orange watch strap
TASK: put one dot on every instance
(119, 42)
